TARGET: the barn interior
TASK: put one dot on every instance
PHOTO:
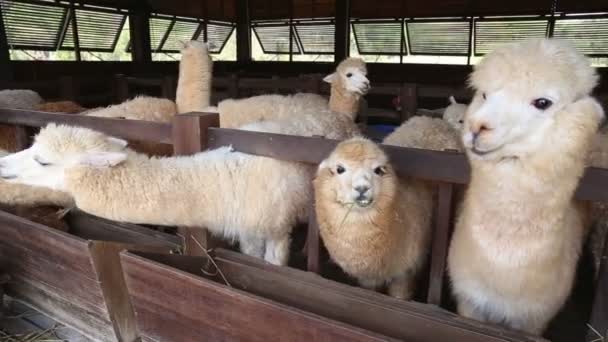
(418, 54)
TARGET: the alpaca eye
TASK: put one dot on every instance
(350, 74)
(460, 121)
(41, 162)
(542, 103)
(380, 171)
(483, 95)
(340, 169)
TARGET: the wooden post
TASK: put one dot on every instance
(168, 87)
(190, 137)
(312, 241)
(233, 87)
(22, 137)
(440, 244)
(243, 32)
(68, 89)
(6, 72)
(139, 27)
(342, 32)
(409, 100)
(122, 88)
(599, 313)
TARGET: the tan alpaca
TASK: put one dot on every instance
(375, 226)
(195, 76)
(517, 241)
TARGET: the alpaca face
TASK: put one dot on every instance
(357, 173)
(454, 114)
(519, 89)
(353, 79)
(57, 148)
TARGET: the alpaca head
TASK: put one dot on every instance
(351, 75)
(519, 89)
(194, 49)
(357, 174)
(56, 148)
(454, 113)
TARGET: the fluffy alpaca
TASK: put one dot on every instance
(15, 99)
(454, 113)
(426, 133)
(139, 108)
(68, 107)
(375, 226)
(19, 99)
(195, 76)
(220, 189)
(517, 240)
(349, 83)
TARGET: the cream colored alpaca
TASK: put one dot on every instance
(375, 226)
(349, 83)
(195, 77)
(254, 200)
(454, 113)
(139, 108)
(518, 238)
(426, 133)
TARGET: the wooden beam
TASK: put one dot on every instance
(243, 32)
(342, 33)
(6, 72)
(139, 26)
(75, 33)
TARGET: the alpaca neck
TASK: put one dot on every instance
(344, 102)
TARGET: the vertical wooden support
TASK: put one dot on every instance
(312, 241)
(440, 242)
(599, 313)
(139, 27)
(342, 31)
(233, 87)
(22, 137)
(68, 89)
(168, 87)
(122, 88)
(6, 72)
(409, 100)
(243, 32)
(75, 32)
(190, 137)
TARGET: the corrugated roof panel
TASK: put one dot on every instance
(217, 36)
(317, 38)
(489, 34)
(441, 37)
(379, 38)
(589, 35)
(275, 38)
(97, 31)
(181, 31)
(32, 26)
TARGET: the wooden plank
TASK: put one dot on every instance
(598, 324)
(409, 100)
(312, 241)
(105, 256)
(190, 137)
(404, 320)
(62, 307)
(128, 129)
(163, 300)
(22, 138)
(440, 242)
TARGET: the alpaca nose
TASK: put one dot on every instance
(479, 128)
(361, 189)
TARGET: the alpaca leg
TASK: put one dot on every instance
(370, 284)
(401, 287)
(252, 246)
(277, 251)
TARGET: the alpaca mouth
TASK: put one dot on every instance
(364, 202)
(483, 153)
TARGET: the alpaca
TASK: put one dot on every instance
(376, 227)
(349, 83)
(68, 107)
(195, 76)
(426, 133)
(454, 113)
(519, 235)
(15, 99)
(139, 108)
(219, 189)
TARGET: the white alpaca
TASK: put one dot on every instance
(425, 133)
(19, 99)
(255, 200)
(514, 253)
(454, 113)
(139, 108)
(348, 84)
(375, 226)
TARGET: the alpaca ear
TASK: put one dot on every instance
(453, 100)
(120, 142)
(102, 159)
(330, 78)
